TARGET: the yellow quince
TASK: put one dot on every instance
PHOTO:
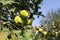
(18, 19)
(56, 34)
(40, 29)
(29, 21)
(24, 13)
(45, 32)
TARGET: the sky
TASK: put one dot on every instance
(46, 6)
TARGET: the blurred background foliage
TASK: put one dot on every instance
(16, 17)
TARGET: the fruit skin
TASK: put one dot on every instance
(40, 29)
(56, 34)
(44, 32)
(24, 13)
(29, 21)
(18, 19)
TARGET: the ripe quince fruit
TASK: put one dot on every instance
(45, 32)
(18, 19)
(56, 34)
(24, 13)
(40, 29)
(29, 21)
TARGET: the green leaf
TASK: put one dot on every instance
(28, 36)
(3, 18)
(18, 32)
(12, 36)
(5, 30)
(3, 35)
(13, 9)
(6, 2)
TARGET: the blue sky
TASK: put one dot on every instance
(47, 6)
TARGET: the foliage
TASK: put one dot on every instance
(11, 8)
(16, 17)
(50, 29)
